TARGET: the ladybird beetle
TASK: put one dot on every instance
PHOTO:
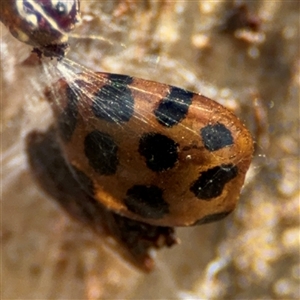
(149, 151)
(129, 157)
(41, 24)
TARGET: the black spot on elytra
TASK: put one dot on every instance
(174, 107)
(216, 137)
(67, 120)
(210, 183)
(113, 102)
(101, 151)
(159, 150)
(146, 201)
(212, 218)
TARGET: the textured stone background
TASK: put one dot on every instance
(254, 253)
